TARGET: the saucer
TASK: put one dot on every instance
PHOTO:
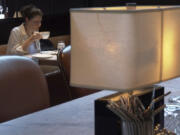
(41, 56)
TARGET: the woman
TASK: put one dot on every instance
(24, 39)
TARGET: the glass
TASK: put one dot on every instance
(2, 16)
(175, 100)
(60, 45)
(6, 12)
(172, 115)
(1, 9)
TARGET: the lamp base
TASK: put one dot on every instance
(107, 123)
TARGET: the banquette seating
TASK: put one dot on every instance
(3, 49)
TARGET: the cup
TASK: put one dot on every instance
(60, 45)
(45, 34)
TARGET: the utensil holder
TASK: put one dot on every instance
(107, 123)
(137, 128)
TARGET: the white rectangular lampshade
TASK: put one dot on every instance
(115, 48)
(171, 44)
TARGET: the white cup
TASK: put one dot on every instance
(45, 34)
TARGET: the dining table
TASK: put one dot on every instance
(75, 117)
(45, 57)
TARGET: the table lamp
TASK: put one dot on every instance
(123, 49)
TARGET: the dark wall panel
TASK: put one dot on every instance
(61, 6)
(15, 5)
(99, 3)
(168, 2)
(5, 27)
(47, 6)
(56, 12)
(64, 6)
(57, 24)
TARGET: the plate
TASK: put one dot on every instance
(49, 52)
(41, 56)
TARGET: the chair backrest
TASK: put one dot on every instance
(23, 88)
(64, 58)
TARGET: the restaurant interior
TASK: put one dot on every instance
(105, 67)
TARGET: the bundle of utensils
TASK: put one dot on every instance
(158, 131)
(136, 119)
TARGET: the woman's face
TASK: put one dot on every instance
(35, 23)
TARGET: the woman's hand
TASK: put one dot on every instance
(35, 36)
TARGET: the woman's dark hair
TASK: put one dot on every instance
(30, 11)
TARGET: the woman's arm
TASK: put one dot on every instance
(16, 45)
(30, 40)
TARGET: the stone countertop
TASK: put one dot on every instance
(72, 118)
